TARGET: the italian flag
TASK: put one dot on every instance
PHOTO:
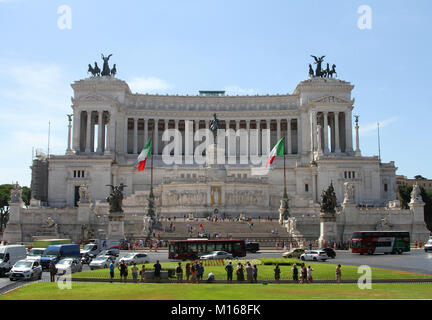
(145, 153)
(278, 150)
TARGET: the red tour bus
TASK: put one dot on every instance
(191, 249)
(371, 242)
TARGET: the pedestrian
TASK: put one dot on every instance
(309, 274)
(200, 270)
(135, 273)
(240, 272)
(302, 273)
(294, 273)
(277, 273)
(142, 273)
(179, 273)
(123, 271)
(255, 273)
(249, 272)
(188, 271)
(338, 274)
(157, 270)
(193, 273)
(52, 271)
(229, 269)
(111, 270)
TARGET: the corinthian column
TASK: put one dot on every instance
(326, 149)
(336, 130)
(69, 150)
(88, 133)
(100, 129)
(357, 151)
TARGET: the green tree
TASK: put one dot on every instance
(404, 195)
(5, 190)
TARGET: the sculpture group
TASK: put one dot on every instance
(115, 198)
(319, 72)
(106, 71)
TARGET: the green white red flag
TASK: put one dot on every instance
(145, 153)
(278, 150)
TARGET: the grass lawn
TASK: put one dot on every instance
(322, 271)
(161, 291)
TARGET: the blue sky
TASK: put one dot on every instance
(244, 47)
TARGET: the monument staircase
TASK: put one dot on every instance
(260, 231)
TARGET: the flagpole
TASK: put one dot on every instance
(285, 192)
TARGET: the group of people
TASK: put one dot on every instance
(251, 272)
(124, 271)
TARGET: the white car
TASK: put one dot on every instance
(35, 254)
(26, 270)
(428, 246)
(101, 262)
(72, 263)
(314, 255)
(216, 255)
(138, 258)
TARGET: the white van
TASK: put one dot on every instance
(10, 254)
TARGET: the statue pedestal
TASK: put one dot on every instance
(215, 155)
(328, 229)
(116, 225)
(13, 231)
(83, 212)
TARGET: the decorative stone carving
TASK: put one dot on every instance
(383, 225)
(16, 194)
(349, 192)
(175, 198)
(416, 194)
(84, 194)
(328, 200)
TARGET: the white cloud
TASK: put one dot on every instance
(371, 128)
(236, 90)
(148, 84)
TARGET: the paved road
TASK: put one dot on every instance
(416, 261)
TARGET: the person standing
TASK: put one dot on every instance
(309, 274)
(188, 271)
(277, 273)
(294, 270)
(52, 271)
(229, 269)
(179, 273)
(240, 272)
(200, 269)
(249, 272)
(255, 273)
(193, 273)
(157, 270)
(111, 270)
(142, 273)
(338, 274)
(302, 273)
(135, 273)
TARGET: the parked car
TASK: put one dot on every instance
(35, 254)
(329, 251)
(73, 263)
(9, 255)
(54, 253)
(101, 262)
(25, 270)
(293, 253)
(114, 252)
(428, 246)
(314, 255)
(138, 258)
(216, 255)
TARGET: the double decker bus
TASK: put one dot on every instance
(191, 249)
(386, 242)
